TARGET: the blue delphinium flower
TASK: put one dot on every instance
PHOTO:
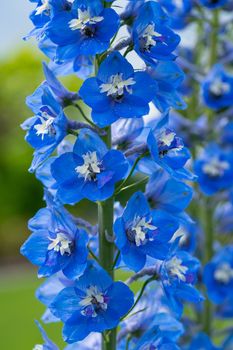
(90, 171)
(228, 343)
(47, 128)
(214, 168)
(201, 341)
(166, 193)
(56, 243)
(95, 304)
(48, 344)
(217, 88)
(140, 232)
(178, 11)
(213, 4)
(178, 275)
(124, 131)
(169, 77)
(153, 39)
(168, 150)
(117, 91)
(85, 30)
(218, 275)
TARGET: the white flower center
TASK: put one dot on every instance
(140, 227)
(166, 138)
(94, 299)
(148, 35)
(218, 87)
(84, 18)
(180, 233)
(116, 85)
(176, 268)
(178, 3)
(224, 273)
(90, 167)
(215, 167)
(45, 6)
(60, 244)
(38, 347)
(45, 128)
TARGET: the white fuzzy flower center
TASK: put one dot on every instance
(218, 87)
(90, 167)
(116, 85)
(215, 167)
(46, 126)
(140, 228)
(167, 138)
(149, 35)
(38, 347)
(45, 6)
(94, 299)
(60, 244)
(84, 18)
(175, 268)
(224, 273)
(180, 233)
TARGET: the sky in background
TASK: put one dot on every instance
(14, 24)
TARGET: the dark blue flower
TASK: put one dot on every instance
(95, 304)
(214, 169)
(178, 275)
(201, 341)
(85, 30)
(153, 39)
(117, 91)
(47, 128)
(140, 232)
(218, 275)
(217, 88)
(90, 171)
(213, 4)
(56, 243)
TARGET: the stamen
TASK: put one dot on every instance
(175, 268)
(93, 302)
(84, 19)
(150, 37)
(45, 128)
(42, 8)
(215, 167)
(140, 229)
(219, 88)
(90, 168)
(117, 85)
(224, 273)
(60, 244)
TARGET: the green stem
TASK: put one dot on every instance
(107, 248)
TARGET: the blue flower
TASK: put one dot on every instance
(178, 11)
(217, 88)
(117, 91)
(95, 304)
(178, 274)
(85, 30)
(47, 128)
(218, 275)
(166, 193)
(169, 77)
(214, 169)
(90, 171)
(140, 232)
(213, 4)
(124, 131)
(201, 341)
(153, 39)
(168, 150)
(56, 243)
(48, 344)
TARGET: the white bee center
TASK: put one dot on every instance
(140, 228)
(148, 35)
(218, 87)
(167, 138)
(84, 18)
(215, 167)
(91, 166)
(45, 6)
(116, 85)
(224, 273)
(180, 233)
(175, 268)
(178, 3)
(45, 127)
(93, 298)
(60, 244)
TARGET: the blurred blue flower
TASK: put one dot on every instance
(201, 341)
(95, 304)
(213, 4)
(140, 232)
(117, 91)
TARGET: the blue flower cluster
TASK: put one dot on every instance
(127, 151)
